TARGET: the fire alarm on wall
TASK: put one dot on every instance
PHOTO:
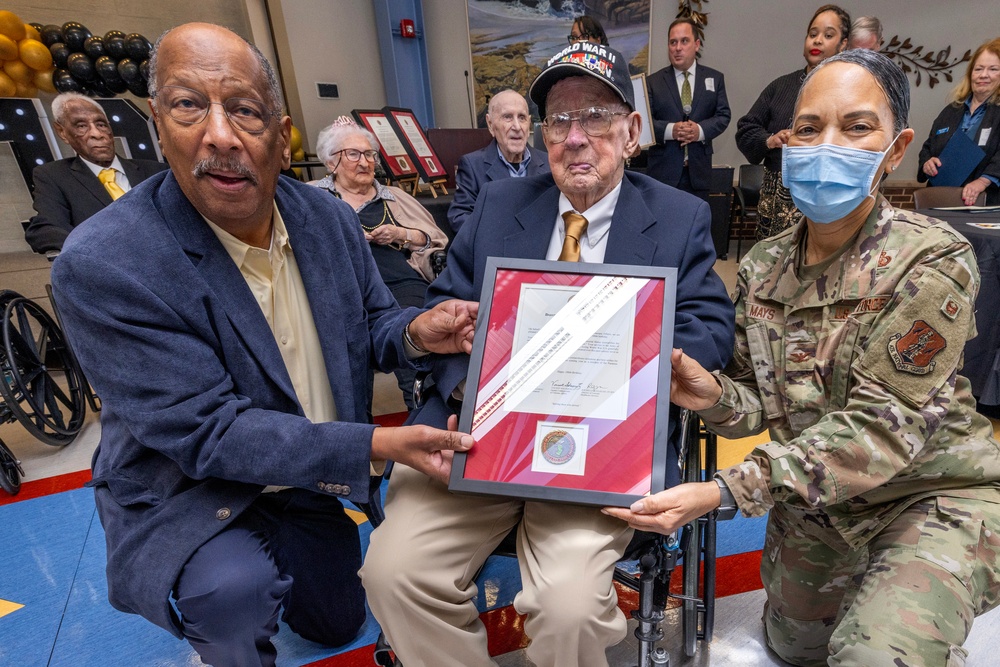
(407, 29)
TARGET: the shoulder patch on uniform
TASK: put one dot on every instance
(884, 260)
(951, 307)
(914, 351)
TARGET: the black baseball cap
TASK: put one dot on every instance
(600, 62)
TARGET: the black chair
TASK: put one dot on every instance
(649, 562)
(747, 193)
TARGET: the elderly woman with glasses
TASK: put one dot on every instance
(401, 233)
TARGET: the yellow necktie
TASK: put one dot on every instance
(107, 177)
(576, 227)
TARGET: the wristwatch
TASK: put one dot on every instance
(727, 508)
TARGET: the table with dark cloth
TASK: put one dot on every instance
(982, 353)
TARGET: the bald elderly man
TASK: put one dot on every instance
(507, 156)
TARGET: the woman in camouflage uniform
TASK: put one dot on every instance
(881, 480)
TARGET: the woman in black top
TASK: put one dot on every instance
(762, 132)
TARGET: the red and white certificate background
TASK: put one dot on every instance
(620, 453)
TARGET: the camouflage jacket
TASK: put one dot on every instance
(853, 366)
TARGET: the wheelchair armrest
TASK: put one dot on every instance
(439, 259)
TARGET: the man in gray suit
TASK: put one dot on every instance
(69, 191)
(507, 156)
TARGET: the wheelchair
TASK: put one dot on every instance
(43, 387)
(649, 562)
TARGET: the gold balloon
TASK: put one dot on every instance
(296, 139)
(25, 90)
(31, 33)
(8, 48)
(43, 81)
(11, 25)
(299, 155)
(7, 86)
(18, 71)
(35, 55)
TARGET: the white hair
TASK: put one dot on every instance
(331, 139)
(62, 99)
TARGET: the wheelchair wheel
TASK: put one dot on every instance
(10, 471)
(42, 383)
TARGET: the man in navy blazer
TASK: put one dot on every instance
(507, 156)
(231, 343)
(68, 191)
(567, 553)
(682, 156)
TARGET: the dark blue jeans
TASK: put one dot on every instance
(293, 549)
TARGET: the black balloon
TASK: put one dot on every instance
(94, 47)
(107, 69)
(113, 33)
(37, 26)
(60, 52)
(144, 69)
(51, 34)
(138, 47)
(96, 88)
(139, 88)
(128, 70)
(64, 82)
(81, 67)
(75, 37)
(114, 45)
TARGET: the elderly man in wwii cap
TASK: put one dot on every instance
(507, 156)
(587, 209)
(242, 322)
(71, 190)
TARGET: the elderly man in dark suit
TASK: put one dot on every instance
(690, 109)
(507, 156)
(69, 191)
(587, 209)
(231, 343)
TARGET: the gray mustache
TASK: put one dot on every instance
(226, 164)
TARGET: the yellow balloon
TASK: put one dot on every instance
(299, 155)
(43, 81)
(11, 26)
(18, 71)
(34, 54)
(8, 48)
(7, 86)
(296, 139)
(25, 90)
(31, 33)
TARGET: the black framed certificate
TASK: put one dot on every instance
(569, 383)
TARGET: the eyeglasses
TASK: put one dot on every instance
(354, 155)
(190, 107)
(81, 128)
(595, 121)
(582, 37)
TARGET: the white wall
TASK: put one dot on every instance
(328, 42)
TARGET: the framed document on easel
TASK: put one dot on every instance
(421, 153)
(395, 157)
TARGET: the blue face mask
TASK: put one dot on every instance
(827, 182)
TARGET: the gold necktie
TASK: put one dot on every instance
(576, 227)
(107, 177)
(686, 103)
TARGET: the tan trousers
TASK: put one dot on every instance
(420, 567)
